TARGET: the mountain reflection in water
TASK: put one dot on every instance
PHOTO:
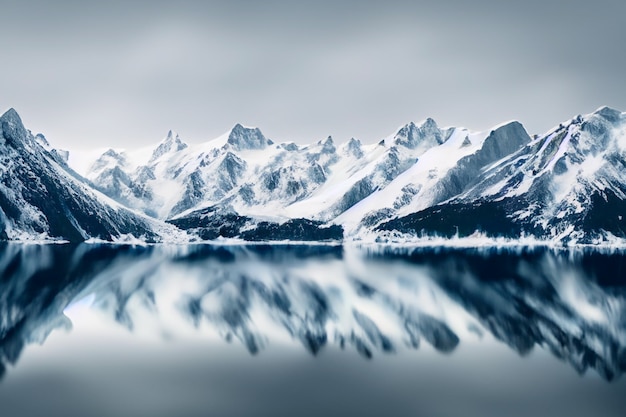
(374, 301)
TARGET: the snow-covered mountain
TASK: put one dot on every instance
(568, 185)
(422, 180)
(243, 178)
(41, 198)
(247, 172)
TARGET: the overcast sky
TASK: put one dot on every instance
(115, 73)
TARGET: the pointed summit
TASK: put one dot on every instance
(242, 138)
(353, 148)
(174, 139)
(429, 124)
(608, 113)
(171, 144)
(11, 126)
(412, 136)
(328, 145)
(11, 116)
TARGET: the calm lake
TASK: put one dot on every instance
(102, 330)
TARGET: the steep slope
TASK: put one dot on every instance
(379, 167)
(440, 173)
(567, 185)
(42, 198)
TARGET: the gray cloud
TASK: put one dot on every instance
(119, 73)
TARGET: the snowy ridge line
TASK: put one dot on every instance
(567, 186)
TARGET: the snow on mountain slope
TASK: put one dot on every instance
(440, 173)
(173, 176)
(563, 173)
(567, 185)
(41, 198)
(402, 192)
(247, 172)
(381, 164)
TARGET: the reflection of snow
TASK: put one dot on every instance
(370, 300)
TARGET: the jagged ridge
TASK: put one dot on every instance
(565, 186)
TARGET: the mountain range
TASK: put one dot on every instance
(422, 182)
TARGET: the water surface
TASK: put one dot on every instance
(201, 330)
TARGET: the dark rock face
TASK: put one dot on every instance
(294, 229)
(356, 193)
(412, 136)
(461, 220)
(500, 143)
(194, 193)
(242, 138)
(213, 222)
(354, 148)
(230, 170)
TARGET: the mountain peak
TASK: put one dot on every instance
(242, 138)
(353, 147)
(171, 144)
(11, 115)
(429, 123)
(608, 113)
(412, 135)
(11, 126)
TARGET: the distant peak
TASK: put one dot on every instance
(412, 135)
(241, 138)
(328, 145)
(12, 128)
(429, 123)
(353, 148)
(172, 136)
(608, 113)
(111, 153)
(11, 116)
(171, 144)
(603, 109)
(512, 131)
